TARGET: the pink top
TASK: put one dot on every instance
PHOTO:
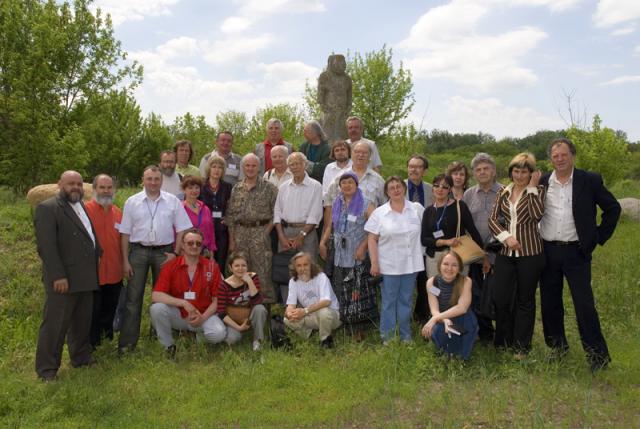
(204, 222)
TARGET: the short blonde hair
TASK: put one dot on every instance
(217, 160)
(523, 160)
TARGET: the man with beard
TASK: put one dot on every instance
(341, 152)
(69, 251)
(106, 218)
(170, 179)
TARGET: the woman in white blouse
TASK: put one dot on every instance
(396, 253)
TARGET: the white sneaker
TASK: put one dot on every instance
(257, 345)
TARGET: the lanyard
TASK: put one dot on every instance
(153, 215)
(439, 221)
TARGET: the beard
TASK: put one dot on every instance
(104, 200)
(167, 171)
(73, 196)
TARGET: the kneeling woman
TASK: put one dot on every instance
(452, 327)
(240, 302)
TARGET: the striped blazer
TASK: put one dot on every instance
(519, 220)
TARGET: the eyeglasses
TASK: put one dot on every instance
(442, 186)
(193, 243)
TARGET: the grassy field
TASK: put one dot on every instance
(360, 385)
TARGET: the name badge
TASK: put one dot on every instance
(232, 166)
(232, 171)
(352, 218)
(216, 215)
(438, 234)
(189, 295)
(434, 290)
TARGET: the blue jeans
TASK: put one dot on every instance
(397, 297)
(457, 345)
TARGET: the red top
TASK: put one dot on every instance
(174, 281)
(106, 224)
(267, 153)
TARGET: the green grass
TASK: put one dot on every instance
(360, 385)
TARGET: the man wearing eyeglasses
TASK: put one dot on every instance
(185, 296)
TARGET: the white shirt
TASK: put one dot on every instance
(374, 160)
(308, 293)
(330, 173)
(399, 248)
(171, 184)
(371, 184)
(271, 177)
(299, 203)
(151, 223)
(84, 218)
(557, 223)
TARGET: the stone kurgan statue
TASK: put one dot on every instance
(334, 97)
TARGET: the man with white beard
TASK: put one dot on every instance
(105, 217)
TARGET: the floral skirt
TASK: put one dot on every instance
(357, 298)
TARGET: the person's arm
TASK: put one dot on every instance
(373, 253)
(361, 250)
(610, 210)
(318, 305)
(127, 271)
(165, 298)
(46, 225)
(434, 307)
(461, 306)
(428, 226)
(326, 235)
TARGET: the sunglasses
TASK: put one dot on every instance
(193, 243)
(442, 186)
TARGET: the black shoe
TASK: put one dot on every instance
(599, 363)
(171, 352)
(327, 343)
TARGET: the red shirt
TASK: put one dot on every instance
(267, 153)
(106, 224)
(174, 281)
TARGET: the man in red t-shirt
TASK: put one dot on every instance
(185, 295)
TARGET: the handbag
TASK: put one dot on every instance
(238, 313)
(468, 250)
(280, 267)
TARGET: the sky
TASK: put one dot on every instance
(503, 67)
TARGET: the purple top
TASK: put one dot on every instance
(204, 222)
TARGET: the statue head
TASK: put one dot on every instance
(337, 64)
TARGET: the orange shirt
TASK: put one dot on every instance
(106, 224)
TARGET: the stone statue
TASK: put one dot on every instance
(334, 97)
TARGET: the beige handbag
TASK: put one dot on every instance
(468, 250)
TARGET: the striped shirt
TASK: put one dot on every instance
(520, 220)
(239, 296)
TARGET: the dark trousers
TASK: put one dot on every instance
(65, 315)
(485, 324)
(514, 296)
(105, 302)
(421, 313)
(141, 259)
(569, 261)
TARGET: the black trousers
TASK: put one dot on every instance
(65, 315)
(516, 280)
(105, 302)
(421, 313)
(485, 324)
(568, 261)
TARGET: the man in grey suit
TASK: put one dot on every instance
(419, 192)
(69, 251)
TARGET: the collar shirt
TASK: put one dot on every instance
(557, 223)
(189, 170)
(375, 160)
(330, 173)
(371, 184)
(79, 210)
(271, 177)
(399, 248)
(480, 205)
(251, 205)
(106, 224)
(233, 173)
(171, 184)
(308, 293)
(152, 223)
(299, 203)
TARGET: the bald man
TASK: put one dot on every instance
(69, 251)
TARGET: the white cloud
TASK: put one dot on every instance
(444, 43)
(235, 24)
(621, 80)
(623, 31)
(636, 50)
(613, 12)
(554, 5)
(232, 49)
(491, 115)
(133, 10)
(252, 11)
(179, 47)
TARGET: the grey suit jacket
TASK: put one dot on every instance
(428, 193)
(65, 247)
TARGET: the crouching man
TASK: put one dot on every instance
(185, 295)
(311, 303)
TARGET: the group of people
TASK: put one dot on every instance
(209, 235)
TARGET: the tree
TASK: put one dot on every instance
(54, 57)
(236, 123)
(602, 150)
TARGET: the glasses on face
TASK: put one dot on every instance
(192, 243)
(441, 186)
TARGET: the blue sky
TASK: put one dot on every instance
(497, 66)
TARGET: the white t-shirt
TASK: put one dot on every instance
(309, 293)
(399, 248)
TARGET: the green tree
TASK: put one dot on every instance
(601, 149)
(196, 130)
(236, 123)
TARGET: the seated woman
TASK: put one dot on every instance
(350, 212)
(198, 212)
(240, 303)
(449, 295)
(311, 303)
